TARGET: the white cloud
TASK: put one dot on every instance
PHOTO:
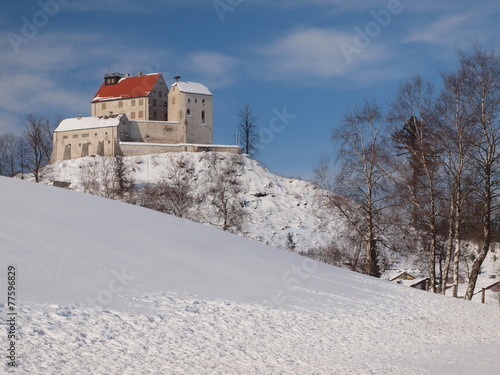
(215, 69)
(318, 53)
(458, 25)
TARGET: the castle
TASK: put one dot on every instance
(139, 115)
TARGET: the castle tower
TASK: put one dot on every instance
(190, 103)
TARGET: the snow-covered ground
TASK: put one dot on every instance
(276, 205)
(105, 287)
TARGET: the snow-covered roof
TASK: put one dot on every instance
(192, 88)
(81, 123)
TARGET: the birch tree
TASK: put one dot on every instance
(481, 69)
(419, 175)
(361, 183)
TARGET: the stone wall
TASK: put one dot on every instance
(133, 149)
(152, 132)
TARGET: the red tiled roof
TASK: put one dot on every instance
(131, 87)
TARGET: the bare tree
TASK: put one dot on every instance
(98, 177)
(176, 195)
(362, 180)
(248, 131)
(8, 154)
(224, 191)
(456, 137)
(37, 136)
(122, 174)
(418, 176)
(481, 70)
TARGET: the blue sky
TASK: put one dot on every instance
(300, 64)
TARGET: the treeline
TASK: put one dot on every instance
(30, 150)
(428, 168)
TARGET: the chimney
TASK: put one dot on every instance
(127, 75)
(139, 74)
(177, 78)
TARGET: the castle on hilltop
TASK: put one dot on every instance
(139, 115)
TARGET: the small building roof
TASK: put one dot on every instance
(128, 87)
(495, 287)
(192, 88)
(82, 123)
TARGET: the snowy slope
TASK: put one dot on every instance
(276, 205)
(110, 288)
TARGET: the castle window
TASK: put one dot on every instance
(173, 100)
(65, 137)
(103, 105)
(154, 102)
(189, 100)
(203, 117)
(203, 101)
(188, 112)
(133, 102)
(160, 93)
(132, 116)
(75, 135)
(120, 104)
(141, 101)
(165, 104)
(196, 100)
(141, 114)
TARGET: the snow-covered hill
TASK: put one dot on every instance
(275, 205)
(104, 287)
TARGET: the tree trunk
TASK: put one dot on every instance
(478, 261)
(450, 242)
(456, 255)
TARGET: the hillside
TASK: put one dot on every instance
(107, 287)
(275, 205)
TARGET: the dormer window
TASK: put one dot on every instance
(112, 78)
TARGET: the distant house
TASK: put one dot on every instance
(493, 288)
(406, 279)
(403, 276)
(139, 116)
